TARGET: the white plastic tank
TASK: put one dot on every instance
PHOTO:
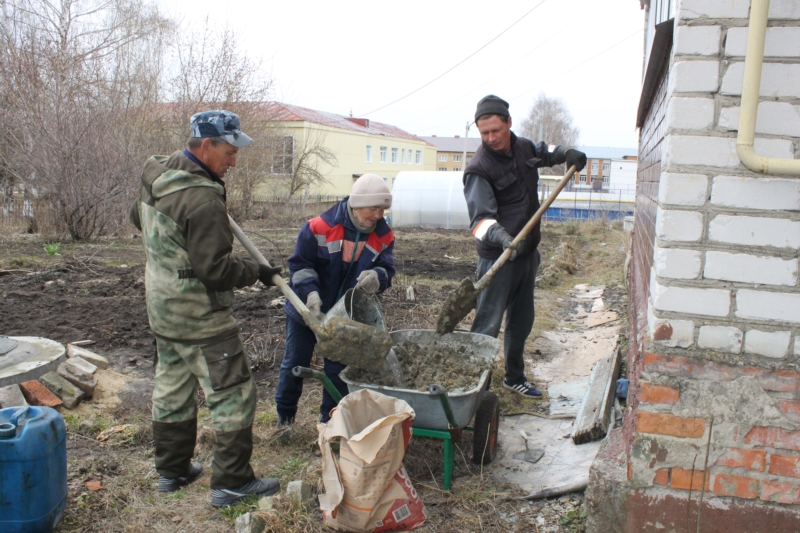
(429, 199)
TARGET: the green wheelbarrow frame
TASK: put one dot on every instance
(487, 420)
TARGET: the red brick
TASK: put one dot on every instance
(780, 492)
(683, 478)
(776, 381)
(649, 393)
(687, 368)
(666, 424)
(630, 470)
(738, 486)
(791, 409)
(773, 437)
(743, 458)
(784, 465)
(37, 394)
(662, 476)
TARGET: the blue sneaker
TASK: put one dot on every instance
(526, 389)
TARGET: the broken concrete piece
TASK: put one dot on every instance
(68, 393)
(11, 396)
(267, 503)
(97, 360)
(37, 394)
(299, 491)
(249, 523)
(83, 380)
(82, 364)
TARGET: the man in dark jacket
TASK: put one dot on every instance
(500, 186)
(349, 245)
(189, 280)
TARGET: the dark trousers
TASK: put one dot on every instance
(510, 292)
(300, 341)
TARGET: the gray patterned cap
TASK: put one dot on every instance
(219, 123)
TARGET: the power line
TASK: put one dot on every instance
(458, 64)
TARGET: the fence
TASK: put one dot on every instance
(579, 203)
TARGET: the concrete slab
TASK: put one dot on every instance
(566, 398)
(11, 396)
(32, 358)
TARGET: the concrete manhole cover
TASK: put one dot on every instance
(6, 344)
(29, 358)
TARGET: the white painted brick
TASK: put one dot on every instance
(774, 118)
(690, 9)
(677, 263)
(683, 226)
(691, 301)
(717, 151)
(697, 40)
(683, 189)
(781, 306)
(755, 231)
(694, 77)
(780, 42)
(724, 338)
(784, 9)
(672, 333)
(756, 193)
(777, 79)
(797, 344)
(767, 343)
(690, 113)
(748, 268)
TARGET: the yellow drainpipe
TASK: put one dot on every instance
(753, 60)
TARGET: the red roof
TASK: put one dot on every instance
(287, 112)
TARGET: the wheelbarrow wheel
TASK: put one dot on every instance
(487, 421)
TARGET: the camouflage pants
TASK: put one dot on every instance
(222, 370)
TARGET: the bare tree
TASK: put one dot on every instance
(300, 165)
(76, 81)
(549, 120)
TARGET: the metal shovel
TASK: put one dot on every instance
(338, 338)
(464, 297)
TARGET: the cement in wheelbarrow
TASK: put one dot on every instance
(431, 359)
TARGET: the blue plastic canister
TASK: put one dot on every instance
(33, 469)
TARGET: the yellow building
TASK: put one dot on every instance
(360, 145)
(450, 151)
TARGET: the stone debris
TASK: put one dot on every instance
(83, 380)
(267, 503)
(299, 491)
(97, 360)
(250, 523)
(11, 396)
(81, 364)
(68, 393)
(37, 394)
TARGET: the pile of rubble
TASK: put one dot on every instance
(73, 381)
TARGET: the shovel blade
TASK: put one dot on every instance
(354, 344)
(459, 303)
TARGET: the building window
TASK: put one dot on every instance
(384, 154)
(605, 179)
(594, 176)
(442, 169)
(606, 167)
(410, 157)
(394, 155)
(469, 158)
(594, 165)
(283, 156)
(369, 153)
(443, 158)
(583, 177)
(457, 158)
(403, 156)
(419, 157)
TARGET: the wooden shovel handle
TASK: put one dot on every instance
(537, 216)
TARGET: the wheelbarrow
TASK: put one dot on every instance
(455, 409)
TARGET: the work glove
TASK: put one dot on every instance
(574, 157)
(265, 274)
(497, 234)
(368, 282)
(314, 304)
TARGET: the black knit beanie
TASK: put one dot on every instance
(491, 105)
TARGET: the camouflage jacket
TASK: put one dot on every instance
(190, 273)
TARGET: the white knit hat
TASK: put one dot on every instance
(370, 191)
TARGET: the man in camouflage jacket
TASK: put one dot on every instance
(189, 280)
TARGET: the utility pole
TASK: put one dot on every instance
(464, 155)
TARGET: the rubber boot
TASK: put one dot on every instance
(230, 466)
(174, 447)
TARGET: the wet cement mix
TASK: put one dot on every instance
(440, 363)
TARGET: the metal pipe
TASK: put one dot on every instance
(751, 86)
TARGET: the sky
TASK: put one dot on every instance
(439, 57)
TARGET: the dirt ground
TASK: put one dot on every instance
(95, 291)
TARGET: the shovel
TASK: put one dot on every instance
(464, 298)
(338, 338)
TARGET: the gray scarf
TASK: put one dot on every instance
(354, 220)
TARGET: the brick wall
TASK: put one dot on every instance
(714, 405)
